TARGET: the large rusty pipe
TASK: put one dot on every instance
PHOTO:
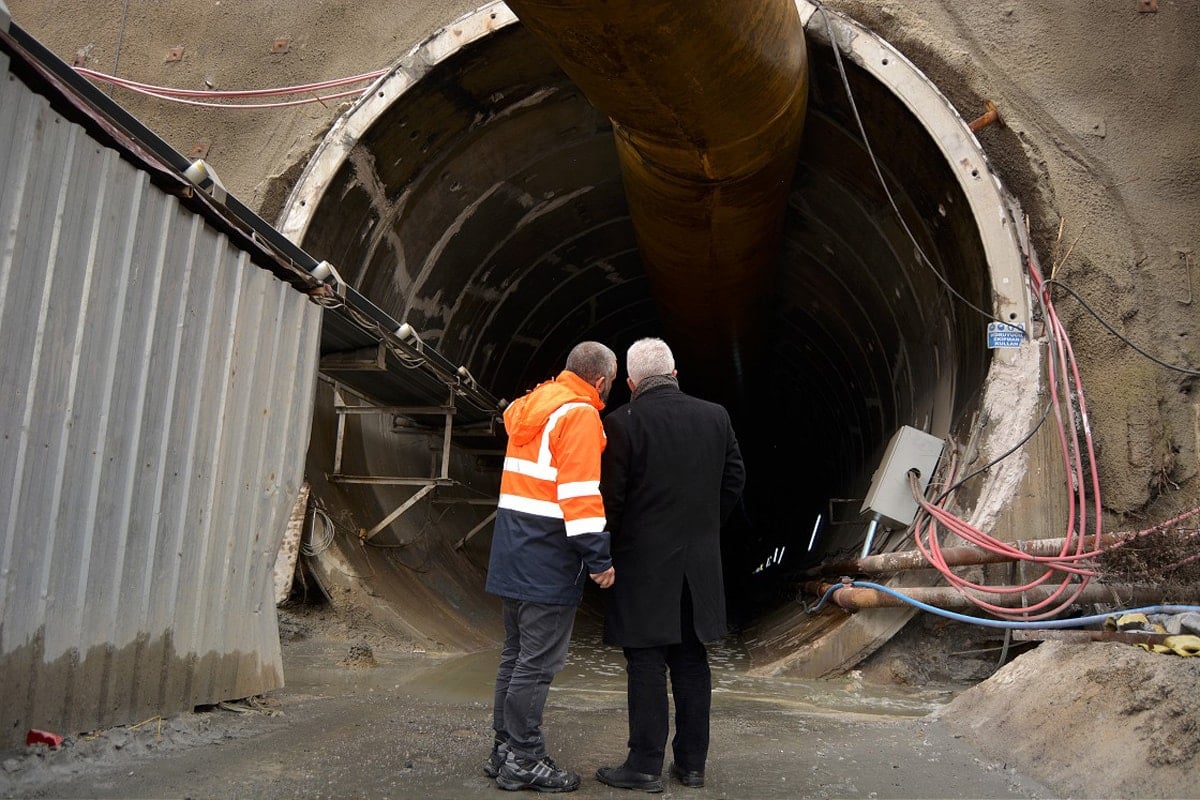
(707, 100)
(903, 560)
(860, 597)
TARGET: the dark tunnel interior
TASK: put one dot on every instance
(485, 208)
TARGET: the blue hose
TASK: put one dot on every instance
(1075, 622)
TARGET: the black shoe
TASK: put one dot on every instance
(623, 777)
(491, 767)
(542, 775)
(691, 778)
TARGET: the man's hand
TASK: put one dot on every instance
(604, 579)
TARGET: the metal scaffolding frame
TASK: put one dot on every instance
(439, 469)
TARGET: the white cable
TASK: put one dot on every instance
(311, 548)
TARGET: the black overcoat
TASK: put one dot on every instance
(670, 475)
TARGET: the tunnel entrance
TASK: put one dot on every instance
(475, 194)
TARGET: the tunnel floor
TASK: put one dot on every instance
(415, 725)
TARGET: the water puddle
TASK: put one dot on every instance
(594, 668)
(594, 676)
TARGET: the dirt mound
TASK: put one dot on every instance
(360, 657)
(299, 622)
(1092, 720)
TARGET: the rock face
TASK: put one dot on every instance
(1093, 720)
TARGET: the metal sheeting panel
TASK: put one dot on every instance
(156, 391)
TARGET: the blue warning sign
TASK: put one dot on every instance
(1001, 334)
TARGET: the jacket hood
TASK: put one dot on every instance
(526, 416)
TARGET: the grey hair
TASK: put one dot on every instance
(648, 357)
(592, 360)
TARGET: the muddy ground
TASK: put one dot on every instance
(364, 715)
(1095, 720)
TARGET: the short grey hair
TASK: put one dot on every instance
(592, 360)
(648, 357)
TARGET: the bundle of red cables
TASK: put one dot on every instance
(1073, 567)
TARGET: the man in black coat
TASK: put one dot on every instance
(670, 475)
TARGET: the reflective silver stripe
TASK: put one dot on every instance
(540, 508)
(578, 527)
(578, 489)
(544, 452)
(543, 470)
(533, 469)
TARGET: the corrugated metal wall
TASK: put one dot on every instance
(156, 392)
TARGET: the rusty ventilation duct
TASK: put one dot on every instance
(707, 103)
(506, 207)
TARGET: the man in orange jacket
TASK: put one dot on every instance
(549, 532)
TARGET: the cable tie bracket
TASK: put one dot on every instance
(206, 179)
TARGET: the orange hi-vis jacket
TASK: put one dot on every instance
(550, 527)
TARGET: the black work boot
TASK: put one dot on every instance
(691, 778)
(495, 760)
(541, 775)
(623, 777)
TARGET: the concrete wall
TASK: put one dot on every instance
(155, 410)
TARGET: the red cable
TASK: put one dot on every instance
(167, 90)
(282, 104)
(1006, 612)
(179, 95)
(1061, 366)
(933, 554)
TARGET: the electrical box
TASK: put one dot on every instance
(890, 495)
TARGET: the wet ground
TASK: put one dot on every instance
(417, 726)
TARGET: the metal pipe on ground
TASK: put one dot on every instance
(904, 560)
(708, 102)
(854, 598)
(1128, 637)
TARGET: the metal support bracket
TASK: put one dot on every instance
(483, 524)
(343, 411)
(441, 476)
(396, 514)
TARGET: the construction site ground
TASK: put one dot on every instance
(1098, 142)
(366, 715)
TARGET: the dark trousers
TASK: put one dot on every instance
(536, 636)
(691, 687)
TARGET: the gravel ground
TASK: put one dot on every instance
(364, 715)
(360, 718)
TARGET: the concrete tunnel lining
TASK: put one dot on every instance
(474, 193)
